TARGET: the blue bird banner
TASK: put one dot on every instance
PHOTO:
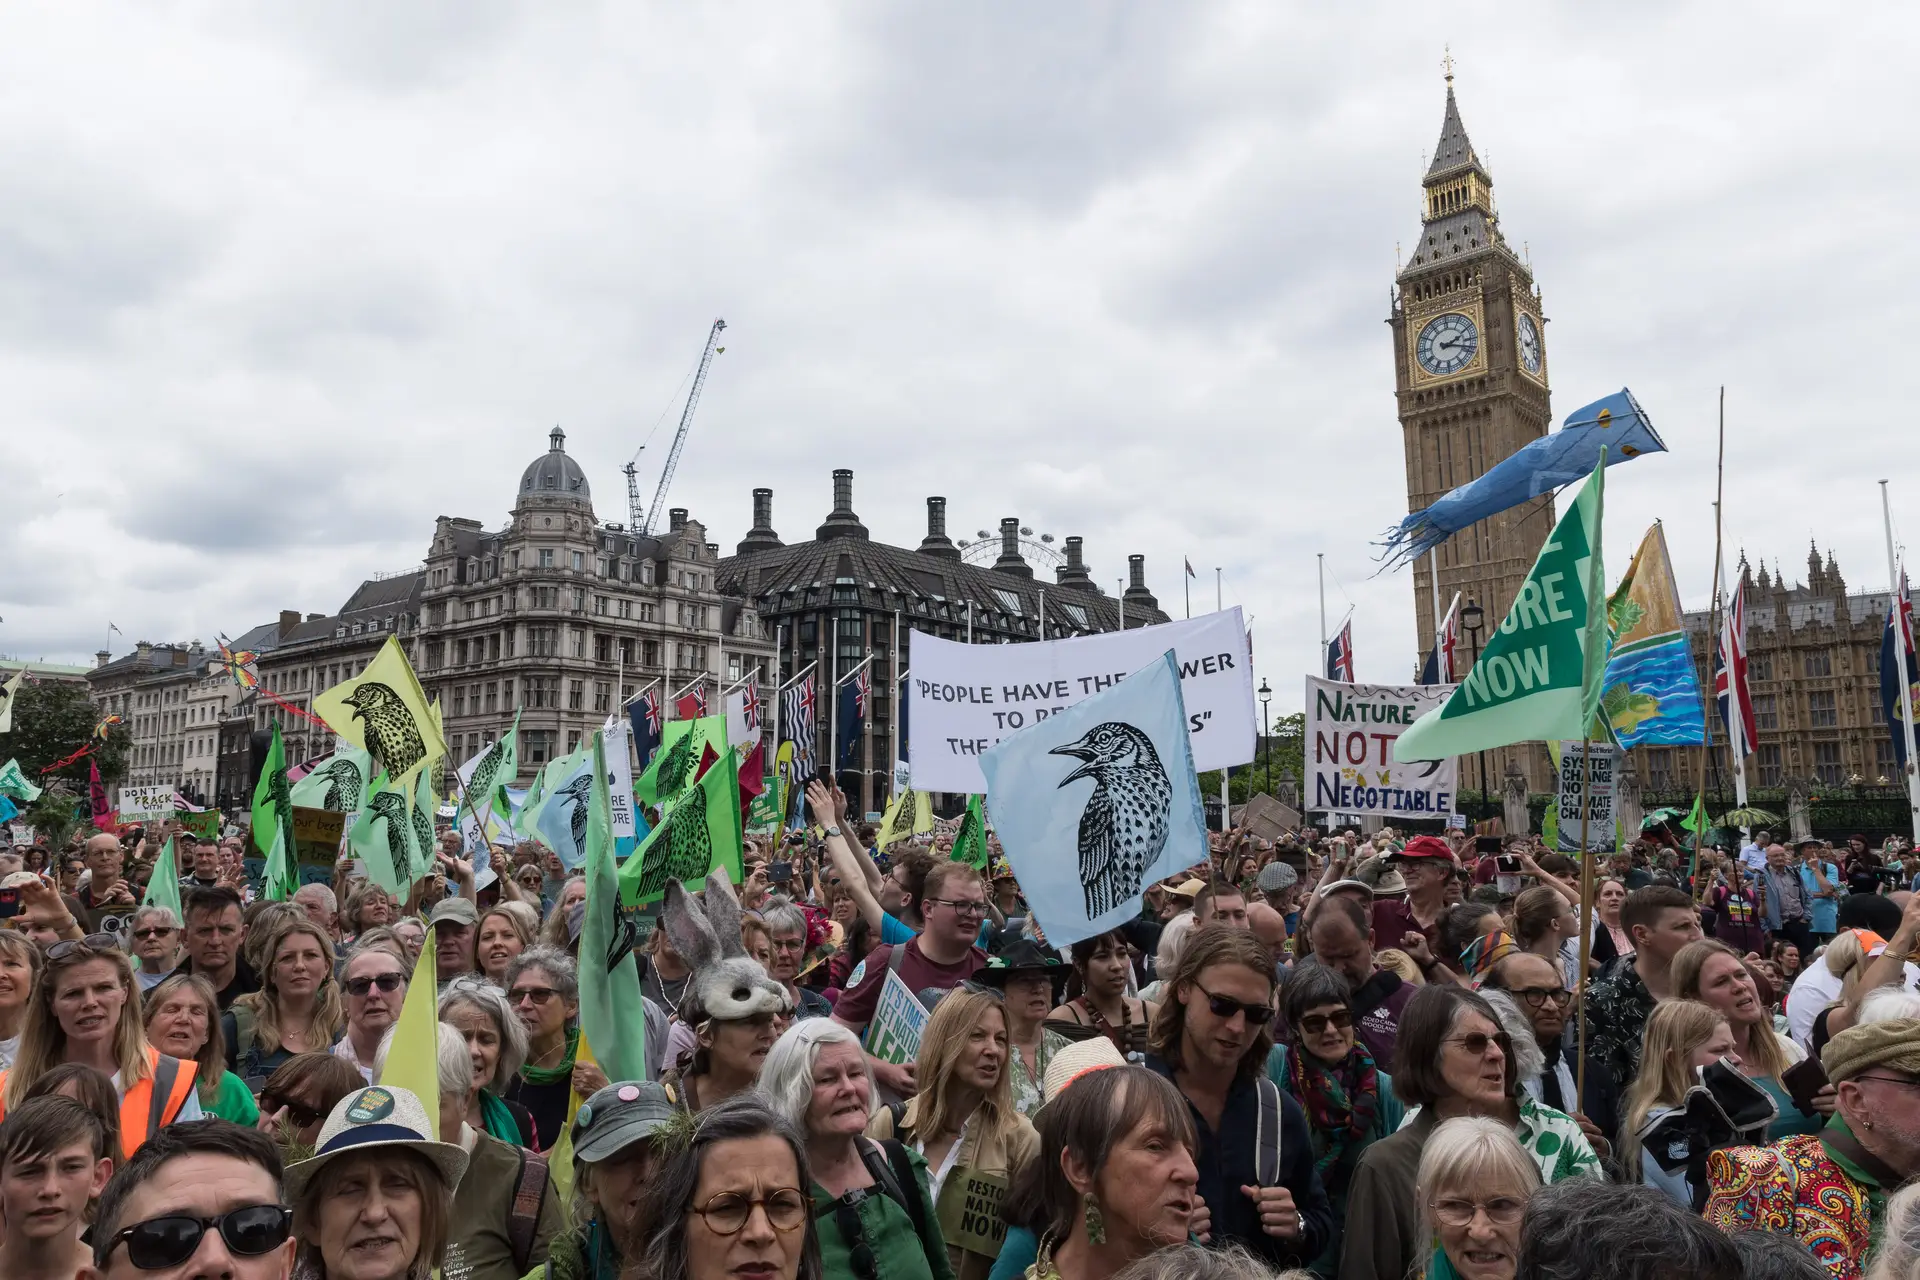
(1617, 424)
(1096, 802)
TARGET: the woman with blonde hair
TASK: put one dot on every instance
(1682, 1036)
(1473, 1186)
(501, 934)
(183, 1019)
(962, 1122)
(20, 963)
(86, 1010)
(297, 1009)
(1714, 974)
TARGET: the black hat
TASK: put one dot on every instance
(1021, 955)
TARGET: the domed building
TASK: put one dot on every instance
(553, 478)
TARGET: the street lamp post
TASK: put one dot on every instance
(1266, 736)
(1471, 618)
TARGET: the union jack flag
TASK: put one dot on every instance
(1440, 668)
(1730, 677)
(750, 707)
(650, 708)
(1340, 654)
(691, 704)
(1904, 611)
(862, 689)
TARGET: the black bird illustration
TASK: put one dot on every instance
(392, 735)
(1124, 826)
(422, 840)
(486, 776)
(684, 851)
(391, 807)
(280, 796)
(676, 766)
(344, 785)
(576, 792)
(909, 815)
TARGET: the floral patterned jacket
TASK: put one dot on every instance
(1802, 1187)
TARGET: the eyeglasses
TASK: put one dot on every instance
(153, 931)
(539, 995)
(1538, 996)
(1225, 1007)
(727, 1213)
(1893, 1080)
(1501, 1211)
(299, 1113)
(1475, 1043)
(92, 942)
(960, 908)
(160, 1243)
(387, 982)
(1315, 1024)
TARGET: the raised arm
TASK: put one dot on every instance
(821, 801)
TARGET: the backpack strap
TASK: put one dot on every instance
(165, 1071)
(896, 957)
(1266, 1150)
(523, 1221)
(898, 1110)
(893, 1174)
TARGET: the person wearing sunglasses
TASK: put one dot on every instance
(1330, 1072)
(155, 934)
(374, 1201)
(1473, 1186)
(1340, 934)
(300, 1095)
(183, 1019)
(86, 1010)
(730, 1203)
(54, 1162)
(373, 987)
(197, 1200)
(1453, 1059)
(543, 989)
(1255, 1157)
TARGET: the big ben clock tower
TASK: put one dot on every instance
(1470, 375)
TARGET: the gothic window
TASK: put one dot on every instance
(1769, 757)
(1760, 666)
(1826, 763)
(1819, 662)
(1820, 709)
(1766, 711)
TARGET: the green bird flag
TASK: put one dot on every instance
(15, 784)
(1539, 678)
(674, 765)
(163, 887)
(613, 1016)
(272, 822)
(699, 832)
(385, 711)
(339, 783)
(425, 804)
(382, 837)
(970, 842)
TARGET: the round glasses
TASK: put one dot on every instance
(1501, 1211)
(727, 1213)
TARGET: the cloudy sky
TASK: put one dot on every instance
(282, 282)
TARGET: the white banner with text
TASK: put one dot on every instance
(1351, 730)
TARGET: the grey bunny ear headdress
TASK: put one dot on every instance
(727, 982)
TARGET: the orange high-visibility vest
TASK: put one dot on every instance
(172, 1078)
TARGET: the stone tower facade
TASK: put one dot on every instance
(1470, 377)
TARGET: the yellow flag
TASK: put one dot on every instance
(413, 1059)
(384, 711)
(910, 814)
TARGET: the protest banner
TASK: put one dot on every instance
(204, 824)
(316, 842)
(964, 698)
(1351, 730)
(969, 1211)
(140, 806)
(1597, 791)
(899, 1020)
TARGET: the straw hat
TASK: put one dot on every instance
(377, 1116)
(1076, 1060)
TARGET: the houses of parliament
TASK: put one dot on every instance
(1471, 363)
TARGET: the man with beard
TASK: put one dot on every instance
(1211, 1040)
(1343, 942)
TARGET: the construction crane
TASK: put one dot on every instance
(642, 521)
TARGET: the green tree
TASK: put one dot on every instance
(1288, 747)
(51, 720)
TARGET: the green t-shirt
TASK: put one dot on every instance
(231, 1101)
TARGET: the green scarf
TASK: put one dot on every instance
(499, 1121)
(554, 1075)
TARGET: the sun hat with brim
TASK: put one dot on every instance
(1021, 955)
(1075, 1060)
(369, 1119)
(1188, 889)
(618, 1116)
(1390, 883)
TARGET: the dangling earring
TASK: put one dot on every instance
(1096, 1225)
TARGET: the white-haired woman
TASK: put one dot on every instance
(870, 1202)
(1473, 1186)
(497, 1043)
(1166, 957)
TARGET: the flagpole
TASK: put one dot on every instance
(1119, 593)
(893, 705)
(1321, 557)
(1900, 675)
(833, 718)
(1186, 585)
(1713, 642)
(1586, 915)
(1433, 581)
(969, 620)
(1219, 597)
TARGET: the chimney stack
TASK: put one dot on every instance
(937, 543)
(761, 537)
(289, 619)
(102, 658)
(1011, 561)
(1138, 597)
(676, 519)
(143, 651)
(841, 521)
(1074, 572)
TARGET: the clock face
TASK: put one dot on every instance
(1529, 343)
(1447, 344)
